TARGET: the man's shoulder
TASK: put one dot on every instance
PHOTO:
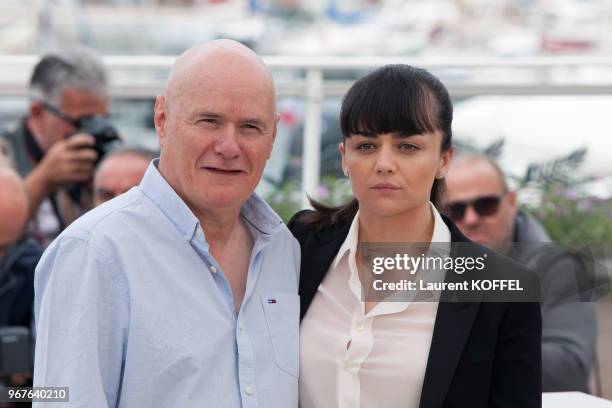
(109, 217)
(283, 234)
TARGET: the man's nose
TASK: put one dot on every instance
(227, 146)
(471, 217)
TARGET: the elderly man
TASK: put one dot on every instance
(483, 207)
(119, 171)
(64, 88)
(182, 292)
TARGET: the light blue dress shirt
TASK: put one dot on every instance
(133, 311)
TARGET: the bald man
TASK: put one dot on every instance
(119, 171)
(485, 209)
(18, 257)
(183, 291)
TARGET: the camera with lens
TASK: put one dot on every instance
(106, 139)
(106, 136)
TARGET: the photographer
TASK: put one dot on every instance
(54, 147)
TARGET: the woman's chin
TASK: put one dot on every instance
(390, 209)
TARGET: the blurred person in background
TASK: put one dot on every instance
(64, 88)
(485, 209)
(18, 258)
(118, 171)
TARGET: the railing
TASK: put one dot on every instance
(144, 77)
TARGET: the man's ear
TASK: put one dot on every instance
(274, 130)
(36, 109)
(512, 200)
(275, 126)
(159, 118)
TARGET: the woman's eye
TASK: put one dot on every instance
(366, 146)
(408, 147)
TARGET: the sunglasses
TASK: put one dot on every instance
(484, 207)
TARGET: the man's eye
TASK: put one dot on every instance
(207, 120)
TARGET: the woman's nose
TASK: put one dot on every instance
(385, 163)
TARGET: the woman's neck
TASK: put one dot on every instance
(412, 226)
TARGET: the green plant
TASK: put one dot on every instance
(287, 200)
(573, 217)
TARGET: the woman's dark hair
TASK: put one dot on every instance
(392, 99)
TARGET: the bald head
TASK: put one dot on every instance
(470, 164)
(13, 208)
(214, 61)
(119, 171)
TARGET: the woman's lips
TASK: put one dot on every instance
(385, 187)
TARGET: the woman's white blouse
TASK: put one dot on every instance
(385, 362)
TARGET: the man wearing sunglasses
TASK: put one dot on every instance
(64, 88)
(482, 206)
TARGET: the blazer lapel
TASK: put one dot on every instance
(453, 325)
(454, 321)
(322, 248)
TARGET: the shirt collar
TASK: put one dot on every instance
(350, 242)
(260, 215)
(255, 211)
(441, 235)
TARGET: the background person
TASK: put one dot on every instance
(18, 258)
(183, 291)
(64, 87)
(396, 149)
(118, 171)
(485, 210)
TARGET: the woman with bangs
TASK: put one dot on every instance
(396, 149)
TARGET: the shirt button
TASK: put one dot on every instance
(360, 327)
(240, 326)
(248, 389)
(348, 365)
(213, 269)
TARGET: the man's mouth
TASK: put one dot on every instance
(225, 172)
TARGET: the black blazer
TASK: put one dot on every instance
(482, 354)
